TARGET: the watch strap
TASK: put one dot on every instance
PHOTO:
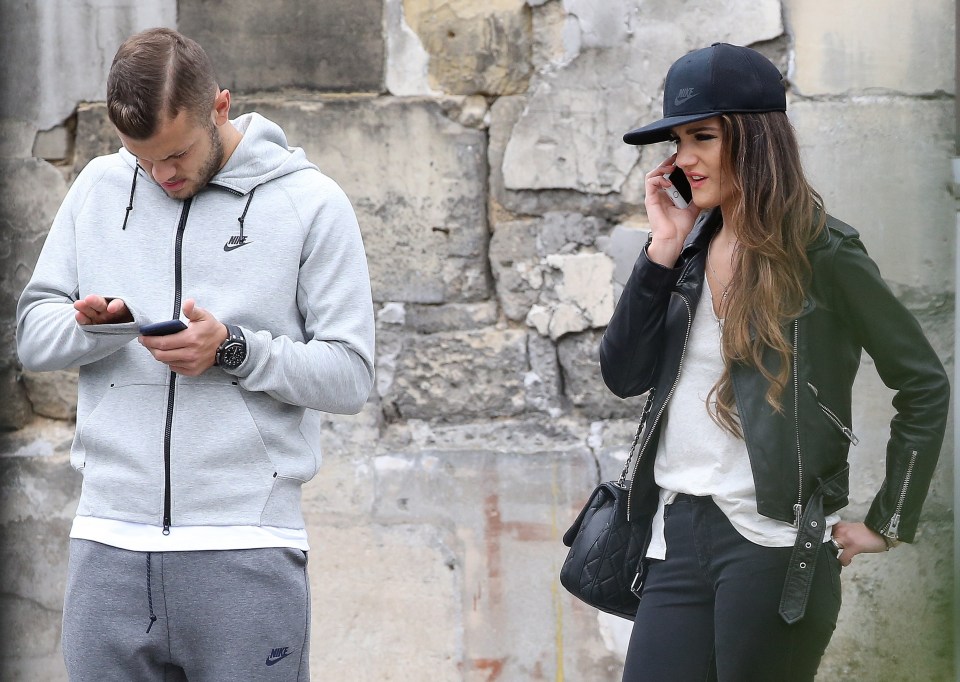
(234, 334)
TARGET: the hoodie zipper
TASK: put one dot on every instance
(893, 527)
(656, 420)
(172, 389)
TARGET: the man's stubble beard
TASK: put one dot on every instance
(210, 167)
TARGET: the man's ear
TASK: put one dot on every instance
(221, 107)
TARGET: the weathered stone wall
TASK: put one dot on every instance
(480, 144)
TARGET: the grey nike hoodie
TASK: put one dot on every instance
(270, 245)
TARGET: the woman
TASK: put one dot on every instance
(744, 318)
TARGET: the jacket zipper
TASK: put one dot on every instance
(798, 507)
(172, 390)
(893, 527)
(832, 416)
(656, 420)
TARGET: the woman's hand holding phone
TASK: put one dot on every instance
(669, 224)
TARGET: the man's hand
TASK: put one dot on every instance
(192, 351)
(95, 309)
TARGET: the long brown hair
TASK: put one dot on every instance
(158, 73)
(776, 214)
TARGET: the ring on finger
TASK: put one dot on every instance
(837, 546)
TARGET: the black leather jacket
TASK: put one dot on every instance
(803, 449)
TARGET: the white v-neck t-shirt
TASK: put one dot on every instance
(697, 457)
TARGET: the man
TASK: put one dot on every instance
(188, 551)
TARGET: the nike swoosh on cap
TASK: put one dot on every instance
(680, 99)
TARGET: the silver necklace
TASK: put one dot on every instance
(725, 287)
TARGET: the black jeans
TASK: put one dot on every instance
(709, 611)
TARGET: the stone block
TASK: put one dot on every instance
(506, 513)
(504, 114)
(536, 263)
(407, 63)
(616, 57)
(55, 144)
(393, 590)
(335, 45)
(459, 375)
(16, 138)
(867, 46)
(584, 295)
(344, 484)
(582, 382)
(15, 408)
(528, 435)
(37, 501)
(29, 198)
(416, 180)
(53, 394)
(66, 46)
(543, 381)
(623, 246)
(95, 136)
(515, 262)
(473, 47)
(430, 319)
(40, 439)
(883, 166)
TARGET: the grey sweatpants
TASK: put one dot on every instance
(217, 616)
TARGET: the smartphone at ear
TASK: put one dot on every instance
(680, 193)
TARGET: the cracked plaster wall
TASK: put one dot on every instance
(480, 144)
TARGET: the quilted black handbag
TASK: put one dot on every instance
(605, 566)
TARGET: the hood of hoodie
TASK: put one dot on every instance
(261, 156)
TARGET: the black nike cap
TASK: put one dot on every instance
(720, 79)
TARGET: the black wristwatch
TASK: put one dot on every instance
(233, 351)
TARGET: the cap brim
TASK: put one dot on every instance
(661, 130)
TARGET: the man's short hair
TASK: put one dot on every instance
(157, 74)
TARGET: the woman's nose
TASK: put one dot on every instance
(685, 158)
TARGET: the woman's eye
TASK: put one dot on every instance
(704, 137)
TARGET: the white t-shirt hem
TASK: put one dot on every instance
(143, 537)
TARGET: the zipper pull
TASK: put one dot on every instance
(893, 526)
(850, 436)
(797, 513)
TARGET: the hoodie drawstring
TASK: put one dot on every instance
(243, 215)
(153, 616)
(133, 188)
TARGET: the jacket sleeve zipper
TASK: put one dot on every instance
(893, 527)
(676, 380)
(832, 416)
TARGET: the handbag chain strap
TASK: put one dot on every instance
(647, 406)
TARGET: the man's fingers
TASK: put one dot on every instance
(115, 306)
(192, 311)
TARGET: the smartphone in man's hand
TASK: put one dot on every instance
(163, 328)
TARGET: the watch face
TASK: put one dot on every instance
(233, 354)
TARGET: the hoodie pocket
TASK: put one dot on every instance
(226, 458)
(119, 450)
